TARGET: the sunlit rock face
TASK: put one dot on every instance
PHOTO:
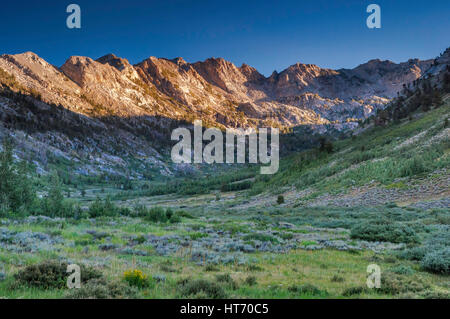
(215, 90)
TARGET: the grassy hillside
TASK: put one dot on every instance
(388, 155)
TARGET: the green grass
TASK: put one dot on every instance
(276, 275)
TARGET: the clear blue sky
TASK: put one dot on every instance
(269, 35)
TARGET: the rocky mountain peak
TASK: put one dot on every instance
(251, 73)
(120, 64)
(111, 59)
(179, 61)
(82, 70)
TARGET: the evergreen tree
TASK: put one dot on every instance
(16, 190)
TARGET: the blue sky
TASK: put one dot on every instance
(269, 35)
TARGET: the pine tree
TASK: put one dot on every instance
(16, 190)
(53, 204)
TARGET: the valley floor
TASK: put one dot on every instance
(265, 252)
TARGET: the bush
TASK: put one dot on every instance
(325, 145)
(402, 270)
(169, 213)
(136, 278)
(184, 214)
(384, 230)
(175, 219)
(197, 235)
(226, 279)
(261, 237)
(158, 214)
(415, 253)
(100, 289)
(337, 278)
(250, 280)
(308, 289)
(437, 261)
(201, 288)
(413, 166)
(394, 284)
(101, 208)
(280, 199)
(352, 291)
(236, 186)
(211, 268)
(51, 274)
(433, 294)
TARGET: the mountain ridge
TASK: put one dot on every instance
(220, 91)
(106, 113)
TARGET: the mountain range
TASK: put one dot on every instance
(101, 112)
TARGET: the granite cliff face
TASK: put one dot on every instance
(128, 109)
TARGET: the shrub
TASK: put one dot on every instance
(201, 288)
(280, 199)
(402, 270)
(175, 219)
(413, 166)
(184, 214)
(250, 280)
(437, 261)
(261, 237)
(140, 239)
(169, 213)
(434, 255)
(433, 294)
(226, 279)
(136, 278)
(351, 291)
(394, 284)
(167, 266)
(99, 289)
(414, 253)
(197, 235)
(384, 230)
(101, 208)
(325, 145)
(211, 268)
(286, 236)
(51, 274)
(236, 186)
(308, 289)
(337, 278)
(158, 214)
